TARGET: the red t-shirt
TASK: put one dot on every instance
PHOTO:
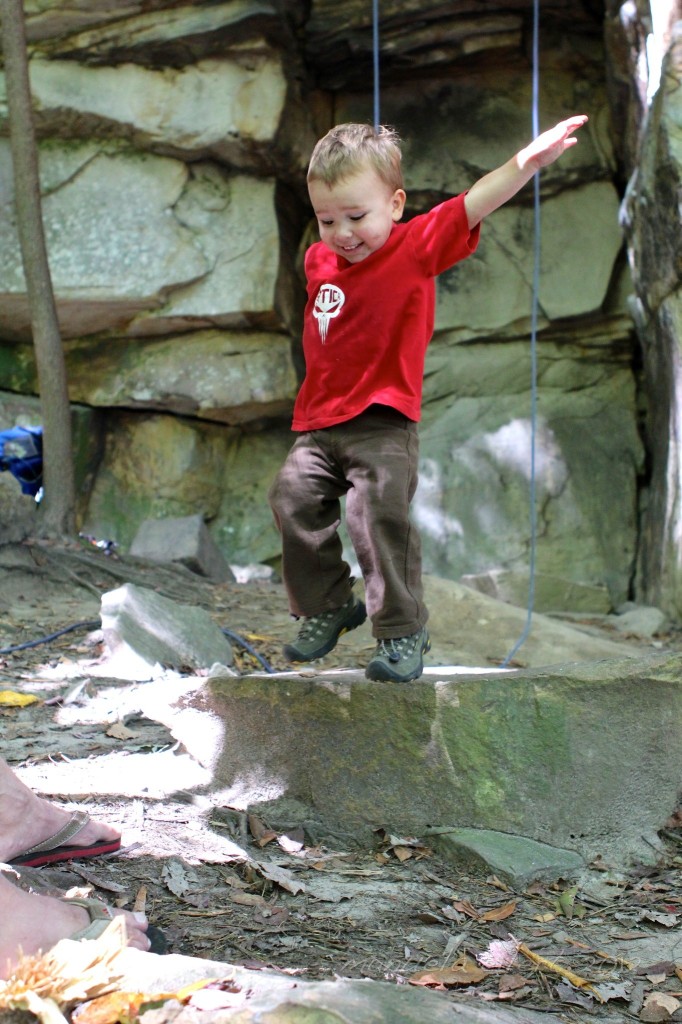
(367, 324)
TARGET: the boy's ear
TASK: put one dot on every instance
(398, 203)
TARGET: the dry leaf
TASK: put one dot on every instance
(177, 876)
(659, 1007)
(512, 982)
(667, 920)
(116, 1006)
(12, 699)
(140, 904)
(281, 876)
(499, 913)
(453, 915)
(463, 972)
(248, 899)
(403, 847)
(271, 916)
(494, 880)
(567, 993)
(465, 907)
(119, 731)
(612, 990)
(599, 864)
(260, 833)
(664, 967)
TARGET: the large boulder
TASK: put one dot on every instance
(17, 511)
(159, 466)
(227, 376)
(165, 253)
(155, 467)
(213, 106)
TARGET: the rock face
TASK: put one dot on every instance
(654, 238)
(17, 511)
(173, 145)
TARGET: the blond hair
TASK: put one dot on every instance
(349, 148)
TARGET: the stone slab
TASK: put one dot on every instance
(278, 999)
(142, 630)
(586, 757)
(514, 859)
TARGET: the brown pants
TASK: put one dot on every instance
(372, 459)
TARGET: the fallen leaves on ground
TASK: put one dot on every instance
(463, 972)
(295, 900)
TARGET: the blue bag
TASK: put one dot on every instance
(21, 452)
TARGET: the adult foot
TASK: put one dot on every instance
(33, 923)
(27, 819)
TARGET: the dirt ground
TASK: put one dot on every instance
(221, 885)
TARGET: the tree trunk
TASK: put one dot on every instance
(57, 515)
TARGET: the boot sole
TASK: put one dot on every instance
(292, 654)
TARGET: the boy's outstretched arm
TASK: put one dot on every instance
(495, 188)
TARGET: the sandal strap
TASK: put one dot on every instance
(99, 913)
(74, 825)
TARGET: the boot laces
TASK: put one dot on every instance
(395, 648)
(313, 624)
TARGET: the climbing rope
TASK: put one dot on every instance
(375, 61)
(535, 124)
(245, 645)
(95, 623)
(52, 636)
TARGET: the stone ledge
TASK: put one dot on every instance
(585, 757)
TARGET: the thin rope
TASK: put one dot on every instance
(535, 119)
(375, 60)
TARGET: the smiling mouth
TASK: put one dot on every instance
(351, 248)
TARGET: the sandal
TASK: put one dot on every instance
(57, 847)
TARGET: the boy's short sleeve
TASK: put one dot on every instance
(442, 236)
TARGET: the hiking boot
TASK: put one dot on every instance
(399, 660)
(319, 633)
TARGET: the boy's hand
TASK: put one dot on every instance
(549, 146)
(497, 187)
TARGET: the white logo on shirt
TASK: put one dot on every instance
(328, 304)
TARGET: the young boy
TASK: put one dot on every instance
(368, 321)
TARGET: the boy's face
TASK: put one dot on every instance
(355, 216)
